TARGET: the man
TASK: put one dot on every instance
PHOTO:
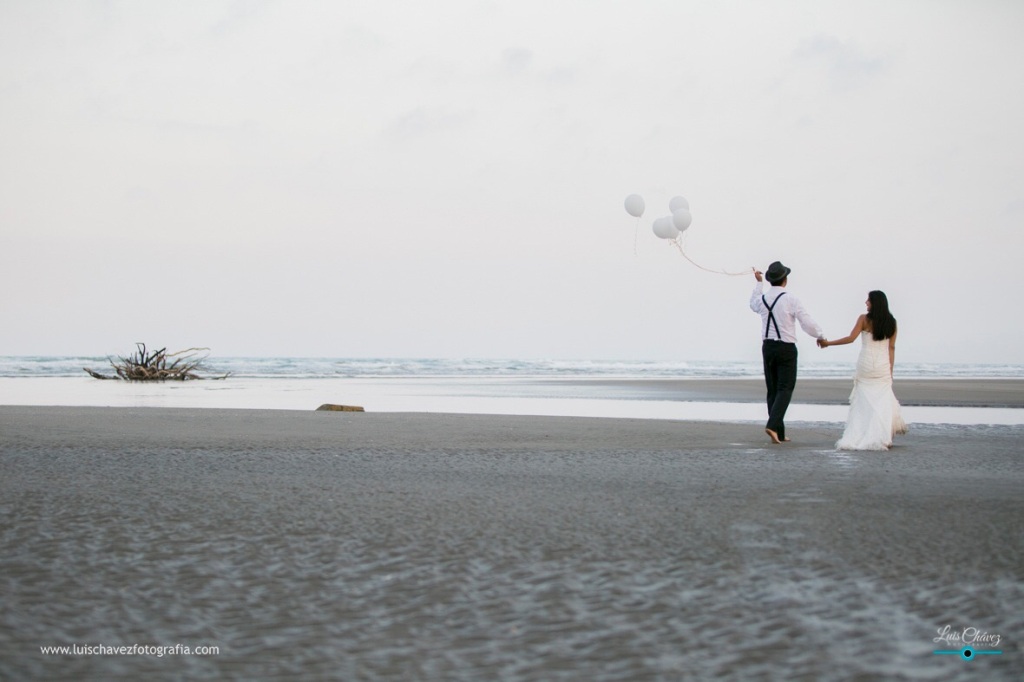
(780, 311)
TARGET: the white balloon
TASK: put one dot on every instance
(664, 228)
(677, 203)
(635, 205)
(681, 219)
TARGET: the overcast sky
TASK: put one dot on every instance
(446, 179)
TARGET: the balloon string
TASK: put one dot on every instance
(675, 242)
(636, 233)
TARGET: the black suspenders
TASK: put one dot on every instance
(771, 315)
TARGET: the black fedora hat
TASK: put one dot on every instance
(777, 272)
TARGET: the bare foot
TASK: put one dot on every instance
(786, 440)
(774, 436)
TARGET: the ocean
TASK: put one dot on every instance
(482, 386)
(325, 368)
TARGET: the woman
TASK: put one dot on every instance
(874, 411)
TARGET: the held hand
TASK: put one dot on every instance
(822, 343)
(757, 274)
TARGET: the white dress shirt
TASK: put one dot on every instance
(787, 312)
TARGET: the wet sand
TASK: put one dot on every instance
(320, 545)
(910, 392)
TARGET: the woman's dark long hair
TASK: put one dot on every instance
(883, 324)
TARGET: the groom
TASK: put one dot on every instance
(780, 311)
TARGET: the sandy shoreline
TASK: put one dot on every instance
(466, 547)
(910, 392)
(590, 397)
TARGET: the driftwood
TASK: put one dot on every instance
(328, 407)
(157, 365)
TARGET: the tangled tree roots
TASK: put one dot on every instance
(143, 366)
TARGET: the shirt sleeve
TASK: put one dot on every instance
(807, 322)
(756, 304)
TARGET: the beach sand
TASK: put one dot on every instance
(320, 545)
(917, 392)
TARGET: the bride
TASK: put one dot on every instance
(874, 411)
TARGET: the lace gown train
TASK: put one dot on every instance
(874, 411)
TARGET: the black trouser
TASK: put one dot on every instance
(780, 377)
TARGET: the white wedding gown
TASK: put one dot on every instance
(874, 411)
